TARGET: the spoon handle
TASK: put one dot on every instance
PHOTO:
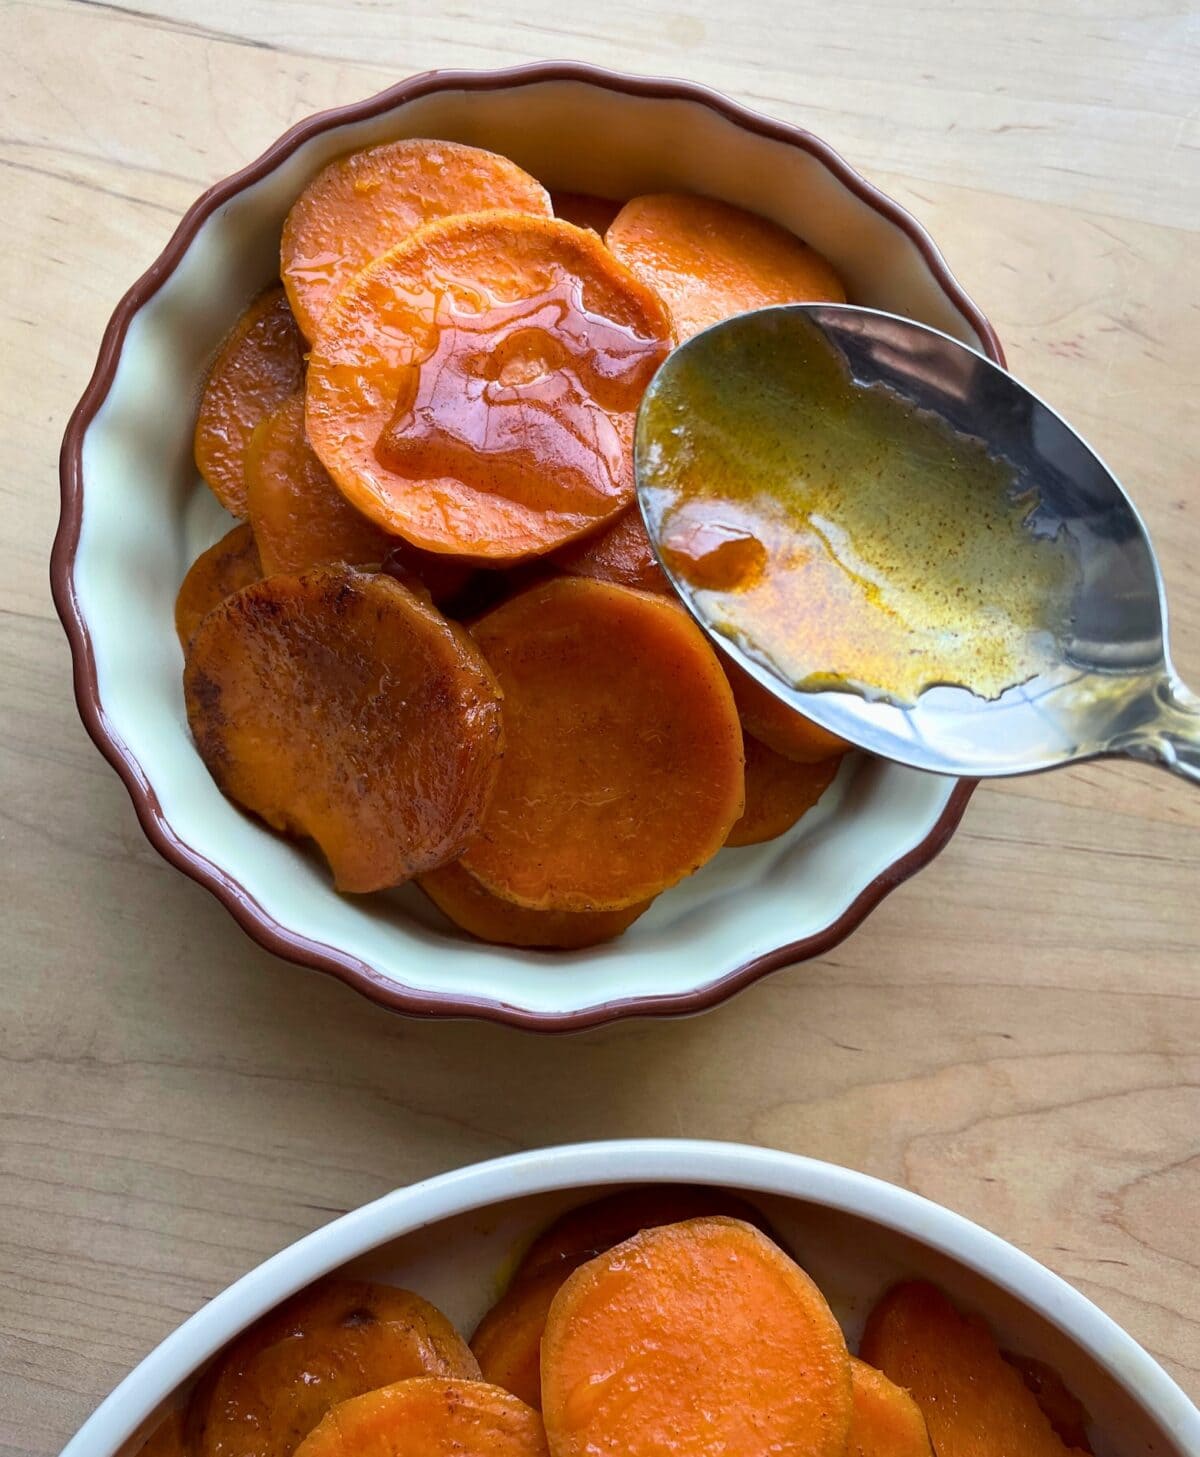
(1172, 738)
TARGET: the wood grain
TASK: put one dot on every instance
(1015, 1033)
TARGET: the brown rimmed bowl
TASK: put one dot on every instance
(134, 515)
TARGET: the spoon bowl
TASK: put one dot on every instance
(1107, 687)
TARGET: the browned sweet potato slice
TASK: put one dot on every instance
(1063, 1409)
(886, 1421)
(167, 1439)
(974, 1403)
(765, 718)
(778, 792)
(694, 1339)
(328, 1344)
(620, 553)
(340, 706)
(228, 566)
(474, 390)
(507, 1341)
(590, 1229)
(461, 897)
(259, 365)
(623, 767)
(709, 260)
(299, 516)
(363, 204)
(585, 210)
(430, 1418)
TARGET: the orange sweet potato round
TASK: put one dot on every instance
(623, 768)
(461, 897)
(886, 1421)
(258, 366)
(585, 210)
(773, 723)
(709, 261)
(328, 1344)
(228, 566)
(338, 705)
(361, 205)
(974, 1403)
(508, 1340)
(619, 553)
(694, 1339)
(474, 390)
(778, 793)
(299, 516)
(428, 1417)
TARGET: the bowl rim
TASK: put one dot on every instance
(559, 1168)
(263, 928)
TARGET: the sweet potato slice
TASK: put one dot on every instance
(585, 210)
(778, 792)
(474, 390)
(709, 261)
(328, 1344)
(167, 1439)
(461, 897)
(299, 516)
(619, 553)
(589, 1229)
(694, 1339)
(340, 706)
(886, 1421)
(1064, 1411)
(226, 567)
(362, 204)
(507, 1341)
(258, 366)
(773, 723)
(428, 1417)
(974, 1403)
(623, 767)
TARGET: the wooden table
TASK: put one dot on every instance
(1014, 1033)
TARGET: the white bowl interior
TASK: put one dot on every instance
(455, 1239)
(146, 515)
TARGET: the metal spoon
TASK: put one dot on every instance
(1110, 688)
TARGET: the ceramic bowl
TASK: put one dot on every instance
(453, 1240)
(135, 515)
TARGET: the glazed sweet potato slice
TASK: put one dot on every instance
(773, 723)
(507, 1341)
(258, 366)
(619, 553)
(623, 766)
(461, 897)
(339, 706)
(430, 1418)
(708, 260)
(886, 1421)
(362, 204)
(474, 390)
(585, 210)
(329, 1344)
(226, 567)
(779, 792)
(694, 1339)
(167, 1439)
(590, 1229)
(299, 516)
(974, 1403)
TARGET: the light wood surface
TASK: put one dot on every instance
(1014, 1033)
